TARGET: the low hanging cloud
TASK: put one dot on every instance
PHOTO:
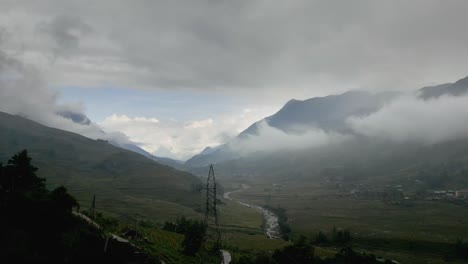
(412, 119)
(268, 139)
(407, 118)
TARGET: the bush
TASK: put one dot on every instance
(194, 232)
(321, 238)
(341, 236)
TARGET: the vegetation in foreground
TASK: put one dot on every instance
(39, 225)
(42, 227)
(301, 251)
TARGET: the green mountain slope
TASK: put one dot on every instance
(358, 161)
(125, 183)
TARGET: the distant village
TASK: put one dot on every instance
(397, 193)
(448, 195)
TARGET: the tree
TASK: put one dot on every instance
(300, 252)
(40, 227)
(321, 238)
(62, 200)
(194, 232)
(20, 174)
(194, 237)
(341, 236)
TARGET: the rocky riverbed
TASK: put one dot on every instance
(272, 229)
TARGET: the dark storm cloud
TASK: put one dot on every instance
(294, 48)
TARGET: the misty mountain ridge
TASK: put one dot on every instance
(327, 113)
(330, 114)
(163, 160)
(82, 119)
(458, 88)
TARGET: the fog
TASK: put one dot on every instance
(268, 139)
(412, 119)
(406, 118)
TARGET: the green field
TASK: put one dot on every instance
(410, 232)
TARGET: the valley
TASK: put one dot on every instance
(409, 232)
(234, 132)
(271, 226)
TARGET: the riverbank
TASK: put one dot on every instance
(271, 229)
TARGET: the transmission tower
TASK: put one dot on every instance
(211, 213)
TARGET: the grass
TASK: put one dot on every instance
(248, 242)
(167, 246)
(234, 216)
(311, 212)
(415, 232)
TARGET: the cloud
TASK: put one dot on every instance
(412, 119)
(406, 118)
(181, 139)
(66, 32)
(24, 92)
(199, 124)
(265, 50)
(269, 139)
(295, 49)
(164, 138)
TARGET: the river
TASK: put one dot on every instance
(272, 229)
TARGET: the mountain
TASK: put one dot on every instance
(456, 89)
(326, 113)
(162, 160)
(116, 176)
(219, 154)
(441, 165)
(362, 163)
(82, 119)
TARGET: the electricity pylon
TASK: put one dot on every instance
(211, 213)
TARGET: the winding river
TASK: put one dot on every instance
(272, 229)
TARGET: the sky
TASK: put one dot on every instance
(177, 76)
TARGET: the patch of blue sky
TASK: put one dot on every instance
(180, 105)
